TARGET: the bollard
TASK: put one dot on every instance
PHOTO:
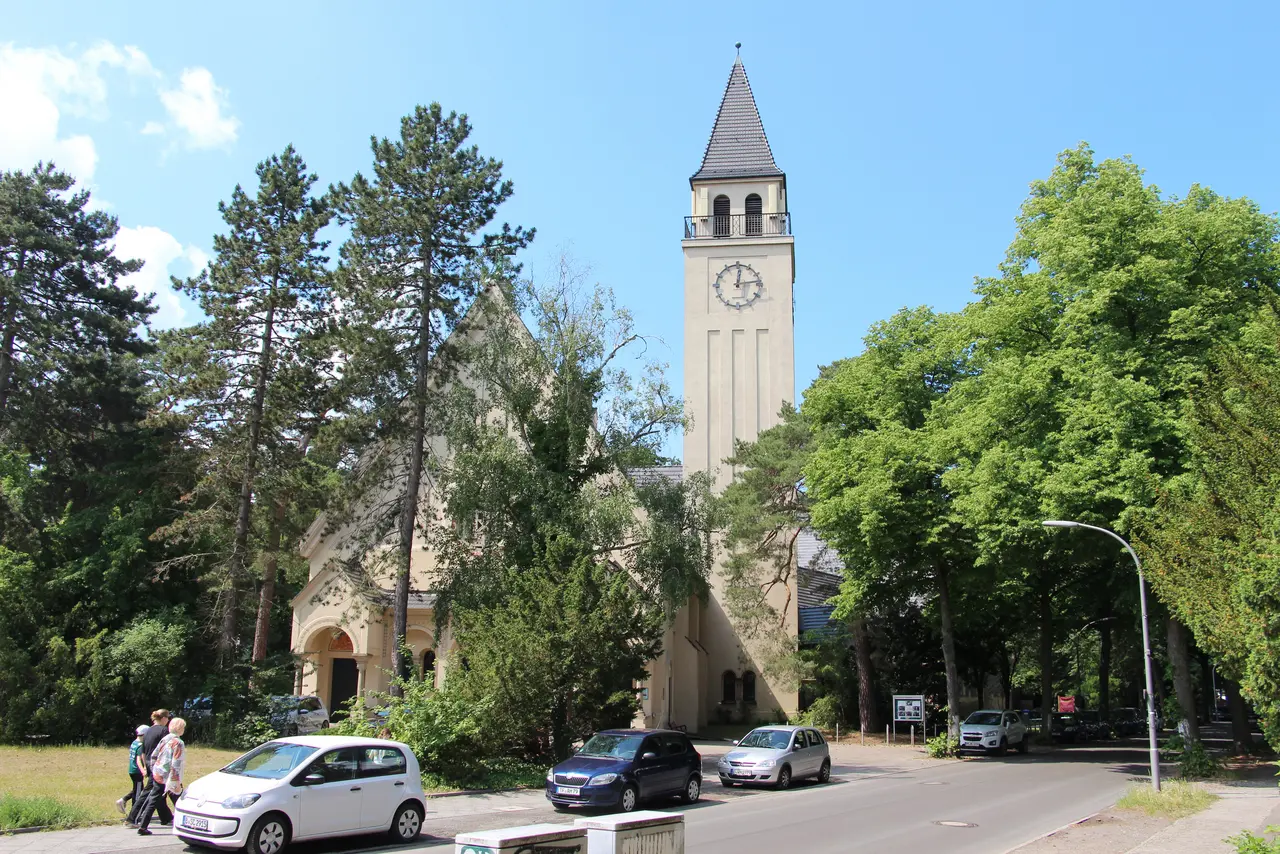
(647, 831)
(837, 733)
(862, 738)
(550, 838)
(886, 735)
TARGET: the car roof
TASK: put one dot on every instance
(781, 727)
(336, 741)
(640, 732)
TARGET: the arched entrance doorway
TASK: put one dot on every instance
(344, 681)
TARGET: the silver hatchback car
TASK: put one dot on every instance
(776, 755)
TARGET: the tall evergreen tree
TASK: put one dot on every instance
(412, 266)
(257, 370)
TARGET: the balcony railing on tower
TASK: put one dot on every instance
(737, 225)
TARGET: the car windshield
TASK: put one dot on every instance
(271, 761)
(774, 739)
(613, 745)
(1067, 720)
(984, 718)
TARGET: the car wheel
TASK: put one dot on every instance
(692, 789)
(784, 778)
(324, 724)
(268, 835)
(824, 773)
(407, 824)
(629, 799)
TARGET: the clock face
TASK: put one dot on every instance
(738, 285)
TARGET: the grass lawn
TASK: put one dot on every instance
(1176, 799)
(87, 777)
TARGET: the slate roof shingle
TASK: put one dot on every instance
(738, 147)
(642, 476)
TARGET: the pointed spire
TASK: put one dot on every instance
(738, 147)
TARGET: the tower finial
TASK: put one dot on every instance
(738, 45)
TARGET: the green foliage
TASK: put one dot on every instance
(1196, 763)
(942, 746)
(18, 812)
(1176, 799)
(1249, 843)
(824, 712)
(251, 730)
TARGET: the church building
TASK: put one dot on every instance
(739, 370)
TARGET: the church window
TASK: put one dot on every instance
(729, 687)
(755, 214)
(748, 687)
(720, 216)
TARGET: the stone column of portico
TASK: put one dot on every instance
(362, 662)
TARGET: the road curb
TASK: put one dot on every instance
(461, 792)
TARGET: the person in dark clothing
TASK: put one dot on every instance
(150, 741)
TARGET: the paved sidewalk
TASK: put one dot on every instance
(1237, 808)
(87, 840)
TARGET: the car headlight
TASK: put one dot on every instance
(551, 775)
(239, 802)
(602, 779)
(766, 765)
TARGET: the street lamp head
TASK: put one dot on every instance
(1059, 523)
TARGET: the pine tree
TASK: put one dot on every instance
(412, 266)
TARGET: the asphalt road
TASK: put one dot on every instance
(891, 806)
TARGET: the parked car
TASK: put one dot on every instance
(776, 755)
(306, 787)
(1064, 726)
(1128, 722)
(619, 768)
(197, 709)
(994, 731)
(298, 715)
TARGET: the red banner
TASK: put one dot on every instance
(1066, 704)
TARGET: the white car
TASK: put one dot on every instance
(994, 731)
(298, 715)
(776, 755)
(305, 787)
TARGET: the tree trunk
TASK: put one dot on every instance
(1241, 732)
(949, 653)
(1104, 662)
(1208, 699)
(1007, 665)
(868, 715)
(9, 328)
(409, 503)
(1046, 654)
(270, 568)
(1180, 658)
(229, 598)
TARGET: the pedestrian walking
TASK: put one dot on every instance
(135, 771)
(155, 733)
(166, 774)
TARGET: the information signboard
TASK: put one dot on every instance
(908, 708)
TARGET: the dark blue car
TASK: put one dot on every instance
(619, 768)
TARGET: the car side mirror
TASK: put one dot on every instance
(735, 742)
(649, 755)
(313, 779)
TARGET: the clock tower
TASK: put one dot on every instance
(739, 268)
(739, 370)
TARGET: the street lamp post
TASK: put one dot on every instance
(1146, 640)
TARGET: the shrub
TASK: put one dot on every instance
(824, 713)
(17, 812)
(942, 746)
(1247, 843)
(1198, 764)
(251, 730)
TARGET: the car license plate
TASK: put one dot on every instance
(741, 774)
(195, 823)
(575, 791)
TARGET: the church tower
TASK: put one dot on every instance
(739, 268)
(739, 366)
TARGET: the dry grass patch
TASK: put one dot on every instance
(87, 778)
(1176, 799)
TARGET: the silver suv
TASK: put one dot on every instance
(994, 731)
(776, 755)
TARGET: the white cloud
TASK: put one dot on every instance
(38, 84)
(152, 128)
(196, 107)
(160, 251)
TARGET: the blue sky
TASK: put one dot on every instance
(909, 132)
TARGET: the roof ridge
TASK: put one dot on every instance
(738, 146)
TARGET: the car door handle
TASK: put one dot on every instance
(355, 788)
(400, 783)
